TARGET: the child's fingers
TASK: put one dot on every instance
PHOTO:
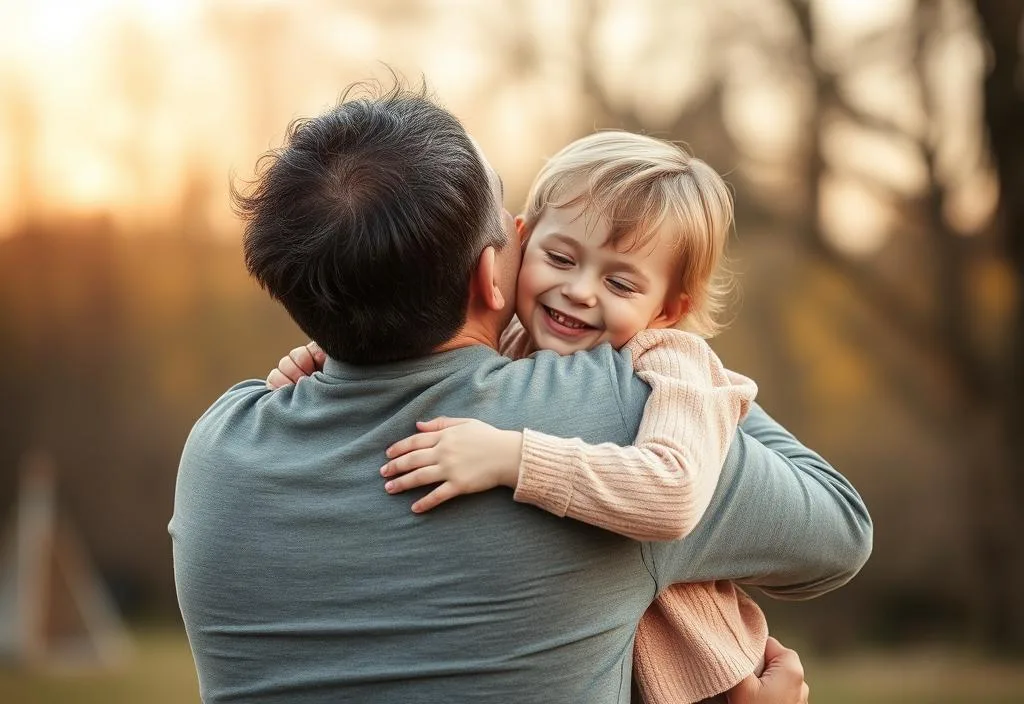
(419, 441)
(319, 356)
(416, 459)
(303, 359)
(435, 498)
(291, 370)
(440, 423)
(275, 380)
(418, 477)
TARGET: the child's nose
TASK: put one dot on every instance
(581, 292)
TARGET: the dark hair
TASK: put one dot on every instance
(366, 225)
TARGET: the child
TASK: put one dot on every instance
(623, 235)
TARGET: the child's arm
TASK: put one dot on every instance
(655, 490)
(659, 488)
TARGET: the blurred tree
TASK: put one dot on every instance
(1001, 554)
(987, 415)
(683, 115)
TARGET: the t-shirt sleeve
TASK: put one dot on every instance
(781, 518)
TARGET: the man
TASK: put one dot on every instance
(379, 227)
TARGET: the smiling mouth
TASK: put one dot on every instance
(567, 320)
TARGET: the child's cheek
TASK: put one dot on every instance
(623, 324)
(529, 275)
(526, 288)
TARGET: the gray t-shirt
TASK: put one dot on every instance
(300, 580)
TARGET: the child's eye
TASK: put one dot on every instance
(620, 286)
(558, 259)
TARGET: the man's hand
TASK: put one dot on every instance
(782, 681)
(300, 362)
(464, 456)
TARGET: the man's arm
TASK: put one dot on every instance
(781, 519)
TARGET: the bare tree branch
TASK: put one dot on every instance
(861, 117)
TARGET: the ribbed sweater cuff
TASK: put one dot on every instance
(676, 676)
(545, 472)
(696, 641)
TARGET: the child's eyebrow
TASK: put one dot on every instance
(628, 268)
(564, 239)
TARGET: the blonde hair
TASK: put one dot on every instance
(647, 187)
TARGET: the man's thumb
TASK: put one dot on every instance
(773, 649)
(747, 688)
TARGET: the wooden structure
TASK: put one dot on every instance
(54, 609)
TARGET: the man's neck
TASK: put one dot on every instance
(466, 338)
(474, 332)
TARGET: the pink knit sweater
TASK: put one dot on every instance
(695, 640)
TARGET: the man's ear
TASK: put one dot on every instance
(484, 286)
(674, 309)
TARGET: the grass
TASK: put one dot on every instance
(914, 678)
(160, 672)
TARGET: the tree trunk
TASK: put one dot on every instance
(1001, 553)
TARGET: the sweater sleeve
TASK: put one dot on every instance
(660, 487)
(783, 520)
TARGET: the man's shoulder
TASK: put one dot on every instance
(602, 361)
(222, 413)
(241, 395)
(580, 388)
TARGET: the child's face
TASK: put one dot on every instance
(576, 292)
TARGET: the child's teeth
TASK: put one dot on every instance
(566, 321)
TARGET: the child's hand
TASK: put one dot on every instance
(300, 362)
(464, 456)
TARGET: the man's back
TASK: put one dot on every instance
(301, 580)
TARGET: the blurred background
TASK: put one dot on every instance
(876, 149)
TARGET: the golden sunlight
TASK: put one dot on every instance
(138, 110)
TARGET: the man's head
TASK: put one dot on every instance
(369, 223)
